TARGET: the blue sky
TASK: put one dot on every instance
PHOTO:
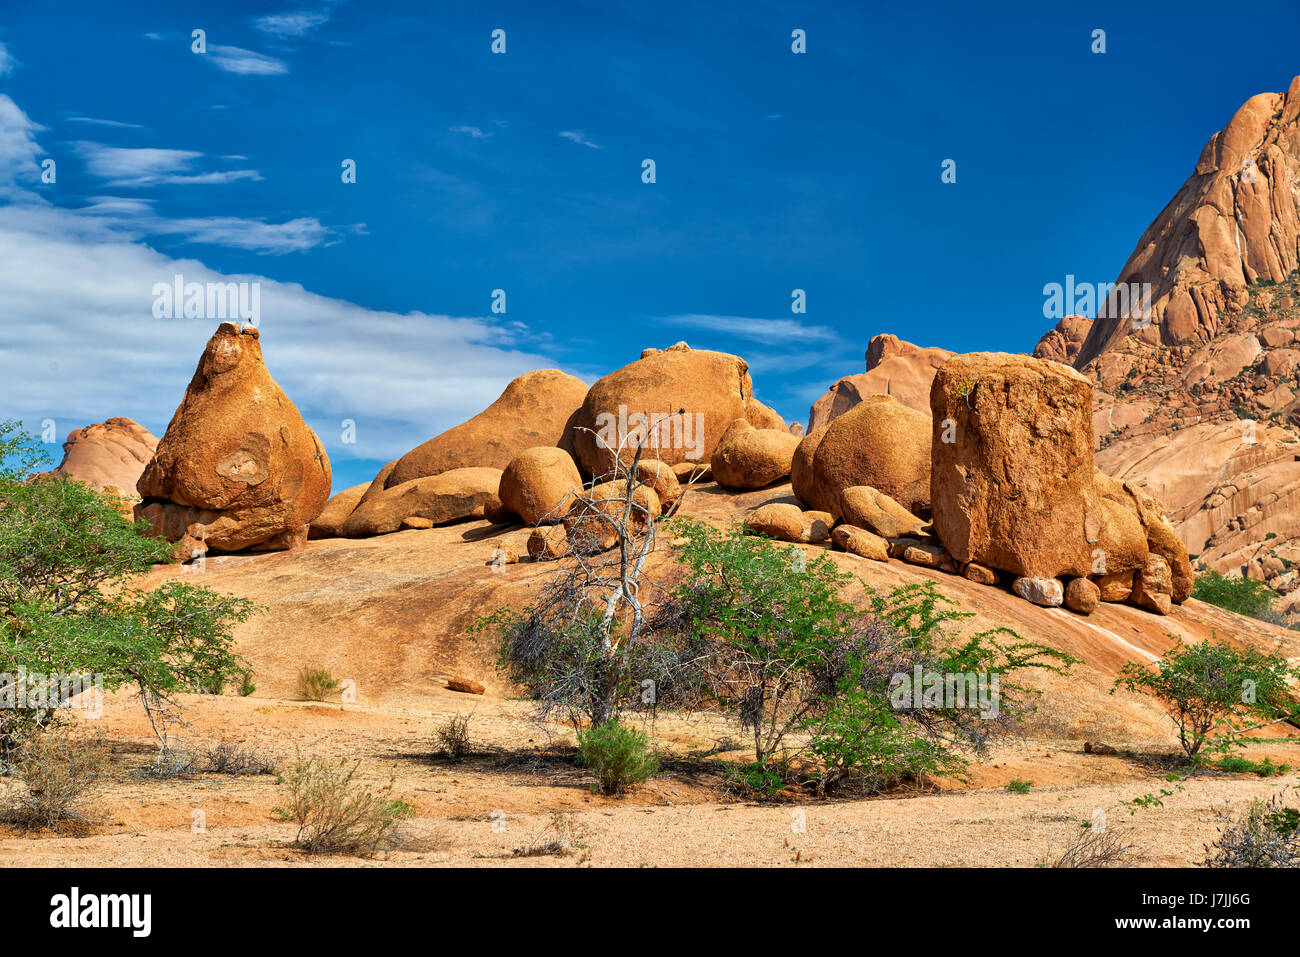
(522, 172)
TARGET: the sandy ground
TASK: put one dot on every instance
(389, 614)
(480, 811)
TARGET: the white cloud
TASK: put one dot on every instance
(297, 24)
(112, 123)
(579, 137)
(81, 342)
(123, 166)
(473, 132)
(7, 61)
(137, 219)
(772, 331)
(247, 62)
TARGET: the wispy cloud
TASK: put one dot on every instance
(74, 279)
(579, 137)
(473, 132)
(246, 62)
(769, 331)
(122, 166)
(115, 124)
(297, 24)
(7, 61)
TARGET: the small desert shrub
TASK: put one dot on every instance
(174, 761)
(560, 837)
(229, 757)
(244, 682)
(1210, 686)
(453, 737)
(1018, 786)
(1096, 847)
(1267, 835)
(58, 772)
(619, 755)
(755, 780)
(1236, 764)
(1243, 595)
(334, 815)
(316, 683)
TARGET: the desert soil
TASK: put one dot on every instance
(389, 614)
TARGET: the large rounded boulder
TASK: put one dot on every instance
(803, 480)
(537, 484)
(748, 458)
(678, 401)
(108, 455)
(237, 468)
(537, 408)
(881, 443)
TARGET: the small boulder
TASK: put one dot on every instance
(697, 472)
(415, 522)
(1082, 596)
(592, 520)
(928, 556)
(1041, 591)
(1116, 586)
(979, 574)
(449, 497)
(1153, 586)
(858, 541)
(503, 554)
(660, 477)
(537, 483)
(548, 542)
(465, 686)
(870, 508)
(789, 523)
(747, 457)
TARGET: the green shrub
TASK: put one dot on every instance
(755, 780)
(619, 755)
(68, 606)
(775, 642)
(1236, 764)
(1017, 786)
(334, 815)
(316, 683)
(1209, 686)
(1243, 595)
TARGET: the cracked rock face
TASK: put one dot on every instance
(1235, 222)
(237, 468)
